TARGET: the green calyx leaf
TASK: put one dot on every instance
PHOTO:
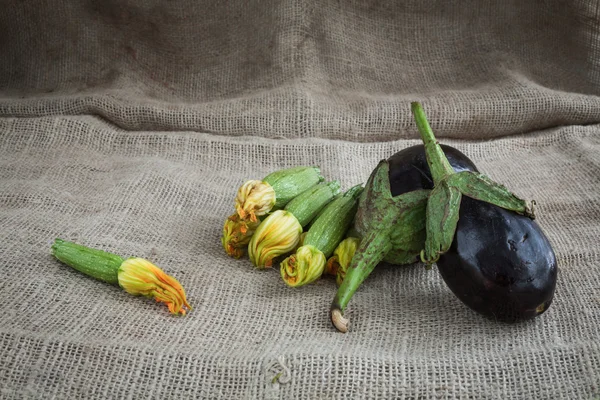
(441, 219)
(378, 209)
(386, 225)
(444, 201)
(410, 236)
(480, 187)
(375, 202)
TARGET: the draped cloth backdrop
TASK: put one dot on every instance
(128, 126)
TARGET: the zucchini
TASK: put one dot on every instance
(257, 198)
(326, 232)
(279, 233)
(135, 275)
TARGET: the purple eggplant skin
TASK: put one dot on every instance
(409, 170)
(500, 263)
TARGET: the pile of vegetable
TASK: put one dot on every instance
(294, 217)
(426, 203)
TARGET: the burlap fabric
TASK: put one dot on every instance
(128, 126)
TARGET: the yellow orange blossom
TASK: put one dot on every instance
(237, 234)
(303, 267)
(254, 199)
(332, 266)
(342, 257)
(140, 277)
(278, 234)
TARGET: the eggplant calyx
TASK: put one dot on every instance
(385, 223)
(444, 200)
(441, 220)
(479, 187)
(375, 200)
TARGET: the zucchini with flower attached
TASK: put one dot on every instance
(327, 230)
(136, 276)
(279, 233)
(255, 199)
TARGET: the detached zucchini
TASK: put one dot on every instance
(136, 276)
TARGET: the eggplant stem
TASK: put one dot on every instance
(372, 249)
(338, 320)
(438, 163)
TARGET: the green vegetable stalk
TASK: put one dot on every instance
(449, 186)
(279, 233)
(307, 264)
(136, 276)
(386, 225)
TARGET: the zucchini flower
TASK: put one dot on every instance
(337, 265)
(279, 233)
(257, 198)
(303, 267)
(254, 198)
(136, 276)
(140, 277)
(237, 234)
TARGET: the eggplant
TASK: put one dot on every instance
(490, 252)
(500, 263)
(390, 220)
(488, 248)
(409, 169)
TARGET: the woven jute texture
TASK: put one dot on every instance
(128, 126)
